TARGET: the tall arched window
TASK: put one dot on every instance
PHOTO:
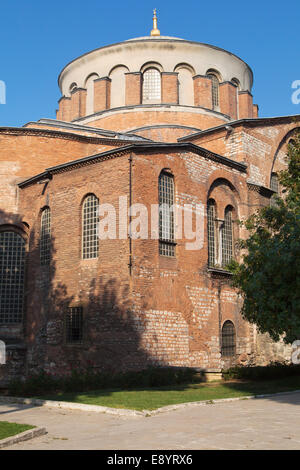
(166, 214)
(151, 85)
(227, 251)
(89, 85)
(90, 218)
(45, 237)
(228, 339)
(274, 185)
(185, 85)
(117, 90)
(215, 87)
(211, 232)
(12, 272)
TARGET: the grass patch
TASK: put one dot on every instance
(11, 429)
(153, 398)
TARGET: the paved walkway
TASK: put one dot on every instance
(267, 423)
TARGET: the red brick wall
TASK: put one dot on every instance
(245, 105)
(78, 103)
(139, 118)
(64, 110)
(133, 88)
(102, 88)
(26, 153)
(228, 99)
(167, 312)
(202, 91)
(169, 88)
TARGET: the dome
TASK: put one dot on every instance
(155, 81)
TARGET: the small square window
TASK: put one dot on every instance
(74, 325)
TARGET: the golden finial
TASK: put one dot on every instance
(155, 31)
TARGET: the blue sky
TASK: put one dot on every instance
(38, 38)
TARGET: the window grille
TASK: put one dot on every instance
(151, 85)
(90, 220)
(215, 89)
(274, 185)
(211, 232)
(12, 267)
(228, 339)
(74, 325)
(227, 238)
(166, 215)
(45, 237)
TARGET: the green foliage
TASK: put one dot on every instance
(84, 380)
(269, 276)
(269, 372)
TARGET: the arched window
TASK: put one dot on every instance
(12, 271)
(185, 85)
(72, 87)
(227, 252)
(228, 339)
(211, 232)
(292, 142)
(45, 237)
(215, 87)
(151, 85)
(74, 325)
(89, 85)
(166, 214)
(117, 90)
(236, 82)
(90, 218)
(274, 185)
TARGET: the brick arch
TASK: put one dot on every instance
(166, 170)
(282, 142)
(224, 199)
(150, 65)
(18, 228)
(90, 76)
(219, 175)
(184, 65)
(116, 67)
(81, 193)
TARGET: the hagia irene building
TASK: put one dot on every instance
(150, 120)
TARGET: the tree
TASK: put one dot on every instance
(268, 278)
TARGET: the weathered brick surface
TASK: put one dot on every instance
(136, 118)
(228, 99)
(102, 88)
(78, 103)
(246, 105)
(133, 88)
(169, 87)
(203, 91)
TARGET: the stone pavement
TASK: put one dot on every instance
(265, 423)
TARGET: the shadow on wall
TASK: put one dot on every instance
(59, 332)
